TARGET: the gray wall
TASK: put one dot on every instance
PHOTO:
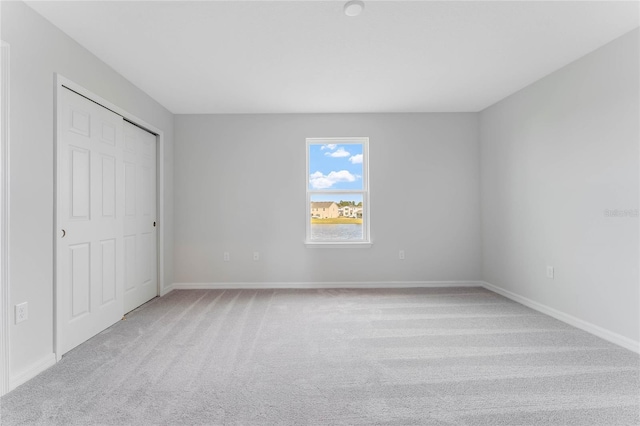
(240, 187)
(554, 157)
(38, 49)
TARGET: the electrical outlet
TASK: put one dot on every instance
(256, 255)
(226, 256)
(550, 272)
(22, 314)
(401, 255)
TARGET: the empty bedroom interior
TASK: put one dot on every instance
(503, 166)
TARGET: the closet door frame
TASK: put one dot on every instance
(5, 306)
(60, 83)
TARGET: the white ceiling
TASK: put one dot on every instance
(307, 56)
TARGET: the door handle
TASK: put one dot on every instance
(64, 233)
(154, 223)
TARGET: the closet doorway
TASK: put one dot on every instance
(106, 218)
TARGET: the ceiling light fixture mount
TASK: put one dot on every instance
(353, 8)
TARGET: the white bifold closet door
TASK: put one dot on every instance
(140, 253)
(89, 253)
(106, 254)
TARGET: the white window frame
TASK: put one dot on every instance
(365, 242)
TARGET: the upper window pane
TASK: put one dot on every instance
(335, 166)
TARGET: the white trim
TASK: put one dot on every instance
(166, 290)
(33, 371)
(320, 244)
(59, 82)
(5, 308)
(311, 285)
(596, 330)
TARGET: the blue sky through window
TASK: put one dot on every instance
(335, 166)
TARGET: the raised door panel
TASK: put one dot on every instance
(146, 192)
(129, 189)
(108, 187)
(130, 262)
(79, 120)
(109, 271)
(80, 180)
(147, 253)
(80, 285)
(108, 133)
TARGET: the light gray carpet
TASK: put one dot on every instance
(461, 356)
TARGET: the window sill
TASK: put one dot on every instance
(323, 244)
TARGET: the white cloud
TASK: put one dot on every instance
(330, 146)
(356, 159)
(339, 153)
(319, 180)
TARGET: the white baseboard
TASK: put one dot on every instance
(33, 371)
(368, 284)
(603, 333)
(166, 290)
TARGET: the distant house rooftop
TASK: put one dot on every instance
(321, 204)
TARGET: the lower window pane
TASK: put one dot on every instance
(337, 217)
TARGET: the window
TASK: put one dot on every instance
(338, 192)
